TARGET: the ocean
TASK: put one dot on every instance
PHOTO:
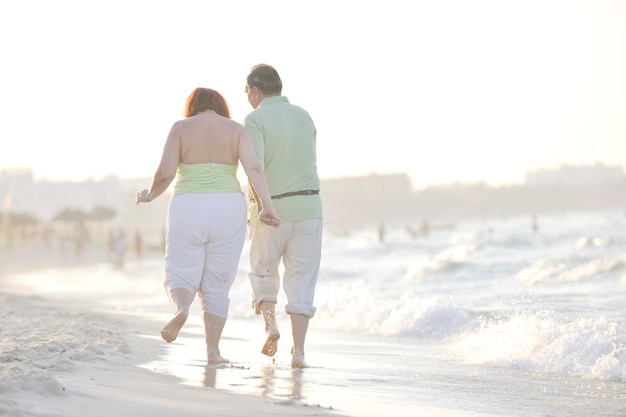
(488, 318)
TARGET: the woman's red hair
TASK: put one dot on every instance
(202, 99)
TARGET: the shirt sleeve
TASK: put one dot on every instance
(254, 130)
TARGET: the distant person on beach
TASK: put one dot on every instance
(119, 247)
(285, 139)
(138, 244)
(206, 220)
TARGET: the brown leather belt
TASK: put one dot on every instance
(292, 193)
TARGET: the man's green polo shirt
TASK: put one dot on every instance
(284, 136)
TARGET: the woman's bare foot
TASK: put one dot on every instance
(297, 360)
(271, 343)
(216, 359)
(169, 333)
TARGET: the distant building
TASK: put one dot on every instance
(14, 185)
(44, 200)
(375, 200)
(577, 175)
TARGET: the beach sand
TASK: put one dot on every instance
(63, 359)
(67, 355)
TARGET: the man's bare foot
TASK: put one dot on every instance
(271, 343)
(216, 359)
(169, 333)
(297, 360)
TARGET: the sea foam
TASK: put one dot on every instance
(543, 342)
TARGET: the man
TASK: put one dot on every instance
(285, 139)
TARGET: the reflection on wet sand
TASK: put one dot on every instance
(283, 385)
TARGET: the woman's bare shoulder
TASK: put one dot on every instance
(235, 128)
(221, 122)
(233, 123)
(180, 123)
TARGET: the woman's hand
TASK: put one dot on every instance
(142, 197)
(269, 217)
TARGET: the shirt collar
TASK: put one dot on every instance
(274, 99)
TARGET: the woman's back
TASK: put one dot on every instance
(208, 138)
(204, 150)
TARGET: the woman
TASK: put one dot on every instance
(206, 221)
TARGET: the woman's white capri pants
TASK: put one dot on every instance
(204, 237)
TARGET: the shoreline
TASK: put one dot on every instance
(102, 374)
(64, 353)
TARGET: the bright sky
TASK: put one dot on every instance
(446, 90)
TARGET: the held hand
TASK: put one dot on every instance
(269, 217)
(142, 197)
